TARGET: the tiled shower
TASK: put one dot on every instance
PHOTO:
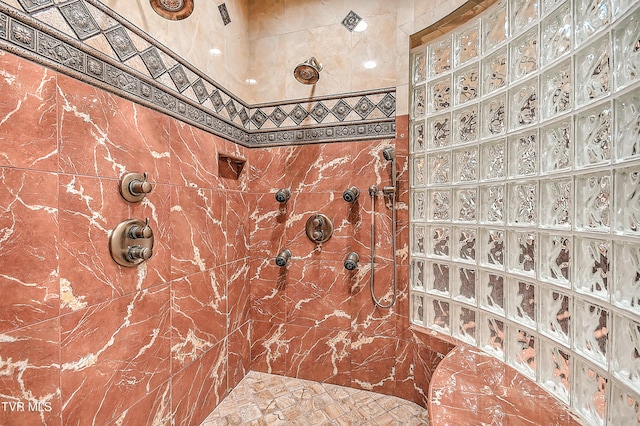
(525, 195)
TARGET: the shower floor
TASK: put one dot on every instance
(270, 400)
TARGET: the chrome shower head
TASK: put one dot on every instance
(389, 153)
(308, 72)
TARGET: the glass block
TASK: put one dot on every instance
(627, 200)
(549, 5)
(465, 165)
(419, 206)
(591, 16)
(440, 57)
(523, 154)
(439, 167)
(494, 71)
(464, 324)
(626, 283)
(493, 119)
(466, 45)
(440, 205)
(438, 279)
(494, 27)
(589, 394)
(590, 327)
(465, 245)
(523, 13)
(524, 54)
(466, 84)
(624, 407)
(439, 128)
(492, 160)
(522, 203)
(556, 195)
(593, 195)
(491, 335)
(417, 308)
(556, 91)
(557, 33)
(492, 292)
(418, 238)
(593, 74)
(555, 147)
(618, 7)
(465, 124)
(417, 172)
(555, 370)
(439, 93)
(626, 55)
(492, 246)
(419, 67)
(464, 285)
(555, 313)
(522, 252)
(419, 102)
(521, 302)
(418, 142)
(492, 209)
(594, 136)
(627, 115)
(465, 206)
(438, 315)
(521, 352)
(523, 104)
(418, 274)
(592, 265)
(439, 243)
(625, 364)
(555, 259)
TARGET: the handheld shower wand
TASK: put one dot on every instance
(389, 154)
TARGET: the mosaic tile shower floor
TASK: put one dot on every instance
(271, 400)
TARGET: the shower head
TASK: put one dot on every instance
(389, 153)
(308, 72)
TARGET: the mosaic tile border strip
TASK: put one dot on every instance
(133, 65)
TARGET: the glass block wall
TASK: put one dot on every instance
(525, 195)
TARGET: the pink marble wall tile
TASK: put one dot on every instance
(90, 208)
(198, 315)
(112, 354)
(319, 167)
(198, 230)
(267, 169)
(268, 284)
(405, 370)
(267, 222)
(401, 310)
(373, 363)
(28, 121)
(368, 166)
(238, 225)
(30, 374)
(317, 295)
(269, 346)
(104, 135)
(29, 246)
(319, 354)
(194, 157)
(153, 409)
(366, 318)
(239, 294)
(199, 388)
(239, 354)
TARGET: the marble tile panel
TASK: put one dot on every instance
(194, 161)
(239, 352)
(373, 362)
(366, 318)
(30, 375)
(238, 225)
(104, 135)
(269, 284)
(199, 388)
(267, 168)
(28, 121)
(153, 409)
(238, 293)
(405, 370)
(111, 354)
(198, 315)
(319, 354)
(29, 244)
(269, 347)
(267, 222)
(198, 240)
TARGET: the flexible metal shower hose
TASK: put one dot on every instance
(373, 250)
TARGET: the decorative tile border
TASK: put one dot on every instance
(135, 66)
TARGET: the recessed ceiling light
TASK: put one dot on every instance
(215, 51)
(370, 65)
(362, 26)
(251, 81)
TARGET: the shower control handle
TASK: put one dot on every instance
(139, 253)
(137, 231)
(318, 235)
(319, 228)
(131, 242)
(318, 222)
(135, 186)
(139, 187)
